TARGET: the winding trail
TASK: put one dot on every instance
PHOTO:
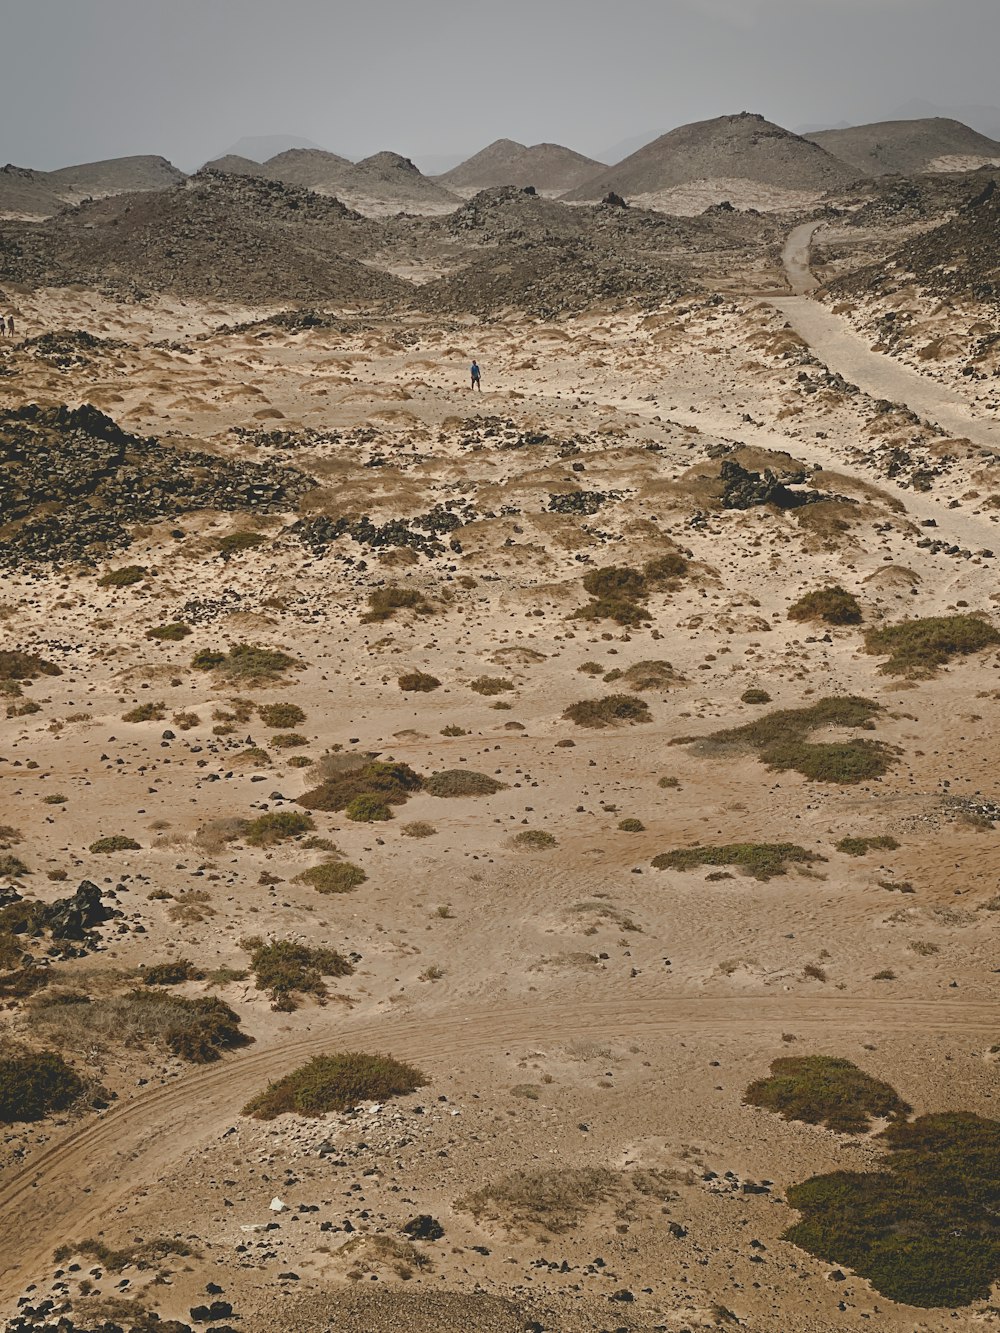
(846, 353)
(71, 1188)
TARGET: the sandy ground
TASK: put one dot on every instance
(571, 1008)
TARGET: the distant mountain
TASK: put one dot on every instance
(743, 148)
(42, 193)
(907, 147)
(388, 182)
(310, 167)
(549, 167)
(236, 166)
(985, 119)
(259, 147)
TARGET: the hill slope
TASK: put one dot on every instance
(908, 146)
(731, 149)
(549, 167)
(42, 193)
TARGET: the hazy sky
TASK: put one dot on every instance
(87, 79)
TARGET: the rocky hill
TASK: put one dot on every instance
(43, 193)
(909, 146)
(732, 149)
(237, 166)
(549, 167)
(310, 167)
(390, 183)
(237, 237)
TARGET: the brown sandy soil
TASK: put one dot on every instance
(572, 1009)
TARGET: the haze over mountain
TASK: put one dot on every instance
(907, 146)
(743, 155)
(550, 168)
(260, 147)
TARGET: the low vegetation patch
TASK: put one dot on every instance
(652, 675)
(417, 682)
(235, 542)
(15, 665)
(246, 663)
(555, 1200)
(632, 826)
(279, 716)
(489, 685)
(123, 578)
(118, 842)
(172, 633)
(392, 783)
(198, 1030)
(918, 648)
(861, 846)
(831, 606)
(287, 970)
(33, 1084)
(755, 696)
(368, 808)
(534, 840)
(277, 826)
(151, 712)
(824, 1090)
(383, 603)
(142, 1255)
(172, 974)
(922, 1228)
(781, 741)
(762, 860)
(419, 828)
(462, 782)
(336, 1083)
(333, 877)
(608, 712)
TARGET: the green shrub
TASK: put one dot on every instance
(922, 1228)
(123, 578)
(608, 712)
(246, 662)
(15, 665)
(392, 782)
(368, 808)
(591, 668)
(172, 973)
(203, 1029)
(917, 648)
(285, 969)
(780, 740)
(491, 685)
(384, 602)
(118, 842)
(35, 1083)
(534, 840)
(417, 682)
(172, 633)
(277, 826)
(824, 1090)
(860, 846)
(755, 696)
(333, 877)
(831, 606)
(336, 1083)
(762, 860)
(289, 740)
(235, 542)
(146, 713)
(462, 782)
(280, 716)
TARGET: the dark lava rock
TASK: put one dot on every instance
(423, 1227)
(744, 490)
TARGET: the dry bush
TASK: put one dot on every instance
(651, 675)
(419, 828)
(15, 665)
(831, 606)
(385, 602)
(216, 834)
(277, 826)
(287, 970)
(533, 840)
(608, 712)
(151, 712)
(123, 578)
(555, 1201)
(118, 842)
(33, 1084)
(489, 685)
(246, 663)
(280, 715)
(462, 782)
(172, 633)
(197, 1030)
(418, 682)
(333, 877)
(336, 1083)
(762, 860)
(355, 776)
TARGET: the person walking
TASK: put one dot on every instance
(10, 326)
(477, 377)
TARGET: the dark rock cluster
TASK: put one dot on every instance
(743, 489)
(421, 534)
(72, 482)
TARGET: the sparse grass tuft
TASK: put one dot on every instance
(198, 1030)
(277, 826)
(917, 648)
(385, 602)
(419, 828)
(832, 606)
(336, 1083)
(534, 840)
(172, 973)
(333, 877)
(762, 860)
(287, 970)
(861, 846)
(555, 1200)
(246, 663)
(151, 712)
(824, 1090)
(609, 711)
(462, 782)
(236, 542)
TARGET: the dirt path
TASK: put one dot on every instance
(846, 353)
(72, 1188)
